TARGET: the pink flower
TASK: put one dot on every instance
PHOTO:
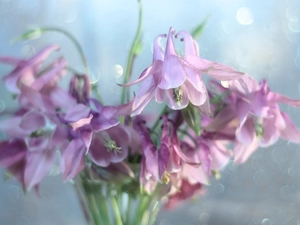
(155, 160)
(30, 152)
(209, 149)
(177, 79)
(110, 146)
(26, 71)
(260, 120)
(38, 88)
(185, 191)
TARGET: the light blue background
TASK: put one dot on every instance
(265, 190)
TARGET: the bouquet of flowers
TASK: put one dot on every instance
(121, 159)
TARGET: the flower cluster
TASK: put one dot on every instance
(176, 153)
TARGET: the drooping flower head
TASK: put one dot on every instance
(176, 79)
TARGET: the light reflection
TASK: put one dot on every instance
(71, 15)
(244, 16)
(2, 105)
(95, 77)
(28, 51)
(265, 221)
(294, 26)
(204, 217)
(118, 70)
(292, 13)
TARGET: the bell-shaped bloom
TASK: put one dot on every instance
(29, 154)
(177, 79)
(26, 71)
(209, 149)
(155, 159)
(110, 146)
(261, 122)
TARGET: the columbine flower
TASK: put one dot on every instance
(110, 146)
(26, 71)
(260, 120)
(30, 153)
(155, 160)
(177, 79)
(209, 149)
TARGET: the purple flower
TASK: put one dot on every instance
(26, 71)
(260, 120)
(29, 154)
(177, 79)
(110, 146)
(155, 159)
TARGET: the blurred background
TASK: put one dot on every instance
(261, 38)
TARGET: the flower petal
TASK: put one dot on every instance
(173, 74)
(221, 71)
(37, 167)
(32, 121)
(290, 132)
(12, 152)
(72, 160)
(246, 132)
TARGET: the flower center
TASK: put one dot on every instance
(165, 178)
(111, 145)
(177, 95)
(259, 130)
(36, 133)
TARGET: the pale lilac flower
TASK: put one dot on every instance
(177, 79)
(29, 153)
(210, 150)
(93, 130)
(260, 120)
(26, 71)
(155, 159)
(110, 146)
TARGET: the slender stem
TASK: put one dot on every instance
(96, 91)
(71, 69)
(92, 204)
(163, 111)
(102, 207)
(79, 49)
(144, 204)
(132, 53)
(84, 204)
(75, 42)
(116, 211)
(153, 213)
(128, 212)
(185, 132)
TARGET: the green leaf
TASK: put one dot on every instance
(199, 29)
(192, 117)
(30, 34)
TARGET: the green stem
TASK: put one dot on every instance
(128, 212)
(185, 132)
(132, 53)
(75, 42)
(116, 211)
(92, 203)
(144, 204)
(163, 111)
(79, 49)
(153, 213)
(84, 203)
(102, 207)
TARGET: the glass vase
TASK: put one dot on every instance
(106, 203)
